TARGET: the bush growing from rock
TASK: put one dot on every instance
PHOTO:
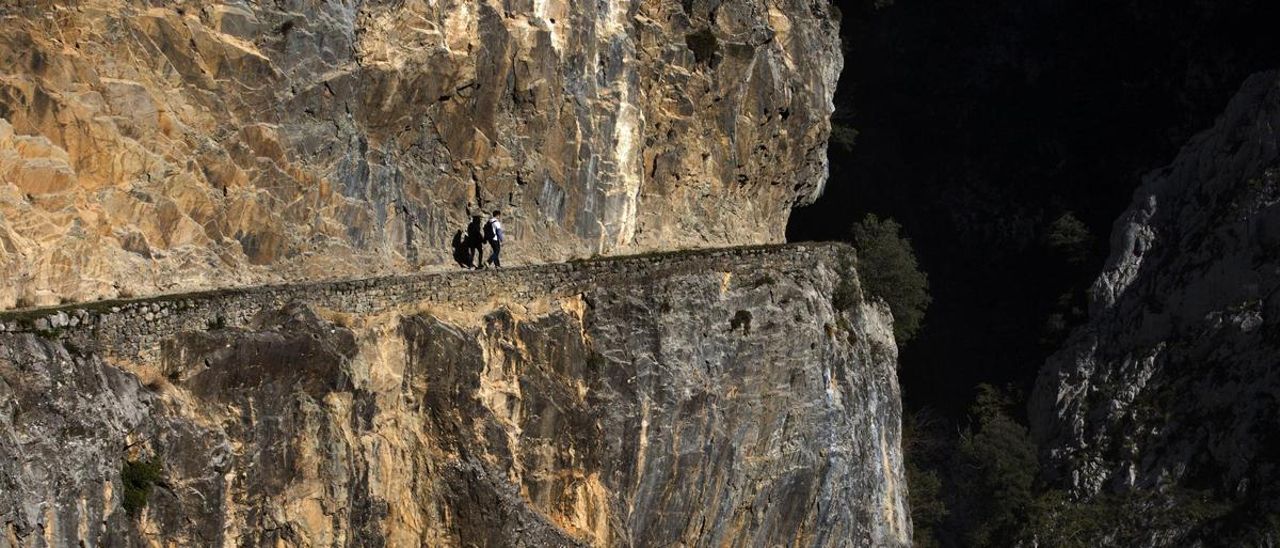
(1070, 238)
(888, 269)
(139, 477)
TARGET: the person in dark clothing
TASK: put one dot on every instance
(475, 242)
(460, 252)
(493, 233)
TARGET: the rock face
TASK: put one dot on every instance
(714, 398)
(1173, 382)
(162, 146)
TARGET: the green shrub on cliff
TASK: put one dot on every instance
(1070, 238)
(843, 136)
(977, 484)
(1126, 519)
(138, 477)
(996, 467)
(926, 449)
(888, 269)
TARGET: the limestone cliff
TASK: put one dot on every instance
(698, 399)
(163, 146)
(1173, 382)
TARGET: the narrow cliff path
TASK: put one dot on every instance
(131, 325)
(23, 319)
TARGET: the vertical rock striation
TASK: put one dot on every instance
(1173, 382)
(163, 146)
(707, 399)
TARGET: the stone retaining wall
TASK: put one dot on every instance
(133, 329)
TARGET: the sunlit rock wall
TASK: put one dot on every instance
(160, 146)
(704, 400)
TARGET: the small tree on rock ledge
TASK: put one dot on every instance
(888, 269)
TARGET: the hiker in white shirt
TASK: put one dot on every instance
(493, 235)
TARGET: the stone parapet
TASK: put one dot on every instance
(133, 328)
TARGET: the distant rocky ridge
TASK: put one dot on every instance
(1174, 382)
(699, 398)
(150, 147)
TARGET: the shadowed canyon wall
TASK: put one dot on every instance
(163, 146)
(734, 397)
(1172, 384)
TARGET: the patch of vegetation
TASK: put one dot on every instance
(1128, 519)
(843, 133)
(843, 136)
(920, 447)
(1069, 237)
(998, 467)
(847, 293)
(888, 269)
(982, 488)
(139, 478)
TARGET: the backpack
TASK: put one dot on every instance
(489, 234)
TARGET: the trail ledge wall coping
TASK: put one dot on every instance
(129, 328)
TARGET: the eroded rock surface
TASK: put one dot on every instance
(163, 146)
(1173, 383)
(705, 399)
